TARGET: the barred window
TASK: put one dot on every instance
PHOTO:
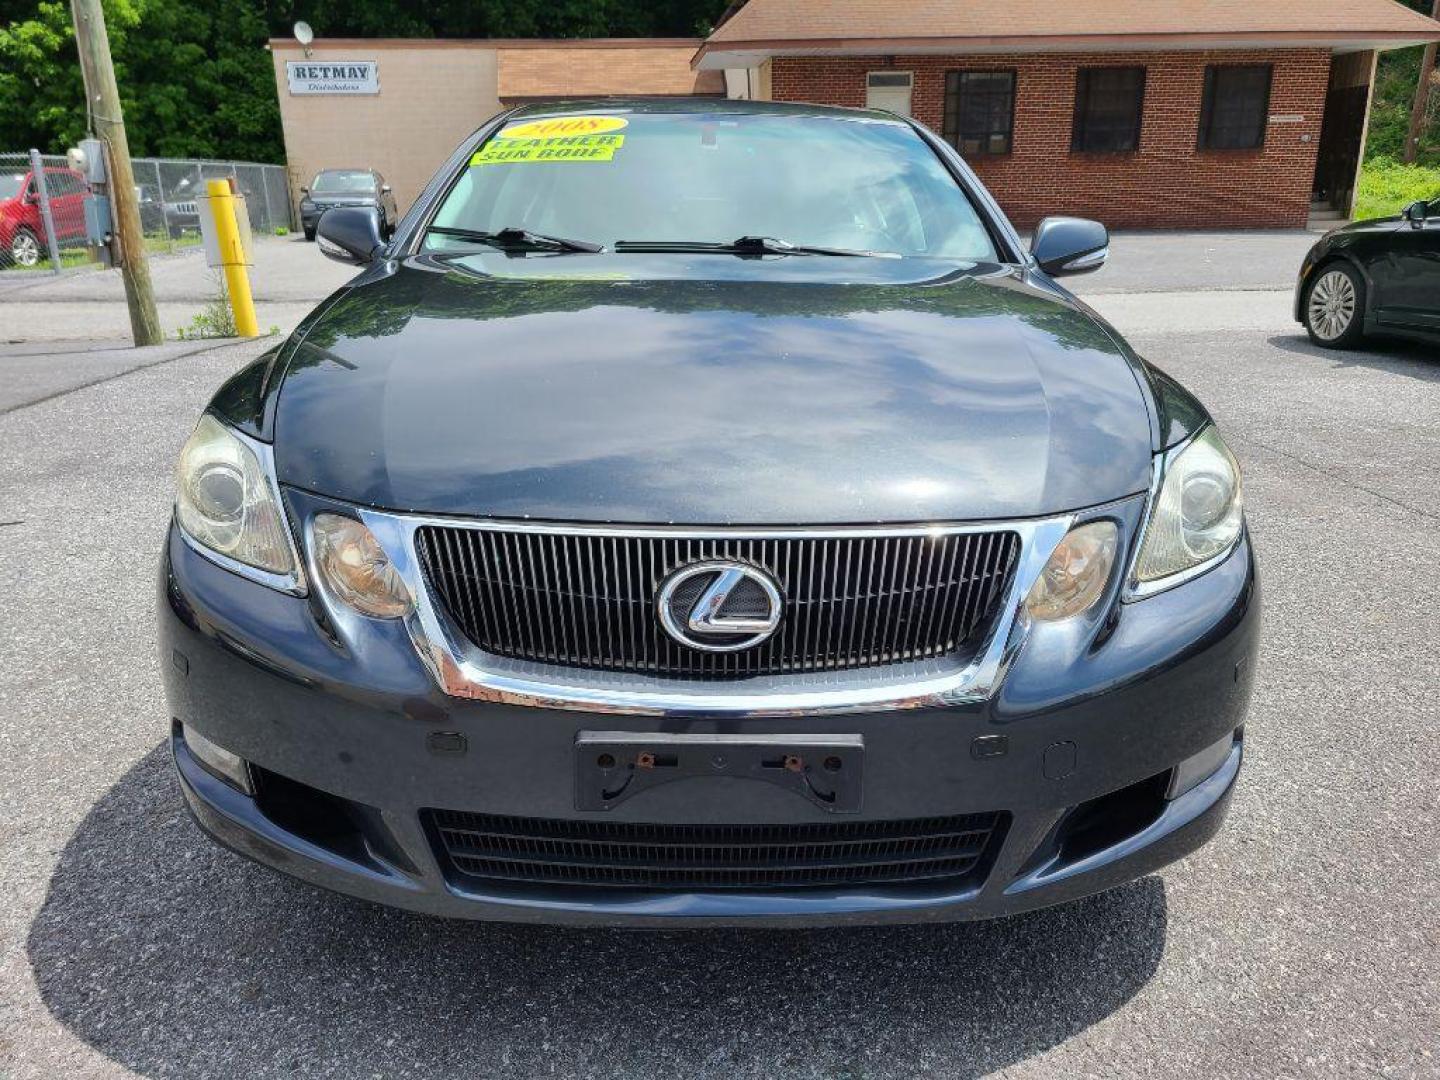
(1236, 106)
(1108, 105)
(979, 111)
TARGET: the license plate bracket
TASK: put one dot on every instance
(612, 766)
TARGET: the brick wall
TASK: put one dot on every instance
(582, 70)
(1167, 182)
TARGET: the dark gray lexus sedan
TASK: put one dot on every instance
(707, 512)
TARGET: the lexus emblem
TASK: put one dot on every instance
(719, 606)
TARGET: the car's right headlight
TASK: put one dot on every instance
(1197, 515)
(227, 506)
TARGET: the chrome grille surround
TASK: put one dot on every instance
(587, 601)
(462, 670)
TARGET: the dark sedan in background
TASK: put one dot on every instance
(1378, 277)
(347, 187)
(707, 512)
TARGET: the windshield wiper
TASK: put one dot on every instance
(749, 245)
(518, 240)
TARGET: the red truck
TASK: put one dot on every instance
(22, 230)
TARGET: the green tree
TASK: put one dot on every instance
(42, 97)
(1395, 80)
(196, 80)
(199, 83)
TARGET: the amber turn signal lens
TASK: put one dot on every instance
(1077, 573)
(356, 568)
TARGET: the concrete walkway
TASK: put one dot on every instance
(1154, 261)
(289, 278)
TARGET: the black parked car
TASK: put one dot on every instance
(707, 512)
(347, 187)
(1374, 277)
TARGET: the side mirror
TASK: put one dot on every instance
(1066, 245)
(384, 189)
(350, 234)
(1416, 212)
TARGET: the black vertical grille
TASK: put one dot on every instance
(589, 599)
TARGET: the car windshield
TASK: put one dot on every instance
(10, 184)
(351, 181)
(862, 183)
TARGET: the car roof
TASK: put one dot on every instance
(709, 106)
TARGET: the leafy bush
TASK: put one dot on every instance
(1388, 186)
(281, 230)
(215, 320)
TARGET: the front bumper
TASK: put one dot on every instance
(310, 215)
(357, 723)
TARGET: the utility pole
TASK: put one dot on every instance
(1422, 96)
(102, 105)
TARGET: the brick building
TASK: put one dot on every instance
(1200, 113)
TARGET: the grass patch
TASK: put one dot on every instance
(68, 257)
(1388, 186)
(75, 255)
(160, 244)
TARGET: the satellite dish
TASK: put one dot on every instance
(303, 34)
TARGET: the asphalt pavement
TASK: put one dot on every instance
(1302, 942)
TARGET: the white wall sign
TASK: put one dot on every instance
(333, 76)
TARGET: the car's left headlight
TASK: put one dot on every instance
(227, 506)
(1197, 516)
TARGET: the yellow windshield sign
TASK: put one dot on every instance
(561, 138)
(564, 125)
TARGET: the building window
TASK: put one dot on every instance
(1108, 105)
(1236, 107)
(979, 111)
(889, 90)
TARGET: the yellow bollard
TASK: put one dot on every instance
(232, 258)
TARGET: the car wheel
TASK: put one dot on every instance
(1335, 307)
(24, 248)
(310, 234)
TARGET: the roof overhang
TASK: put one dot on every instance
(286, 43)
(743, 54)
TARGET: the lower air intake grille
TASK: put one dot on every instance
(589, 600)
(705, 857)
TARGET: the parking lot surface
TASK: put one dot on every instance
(1302, 942)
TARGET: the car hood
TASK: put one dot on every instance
(710, 390)
(343, 200)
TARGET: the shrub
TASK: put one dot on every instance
(215, 320)
(1388, 186)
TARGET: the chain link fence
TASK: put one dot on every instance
(168, 191)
